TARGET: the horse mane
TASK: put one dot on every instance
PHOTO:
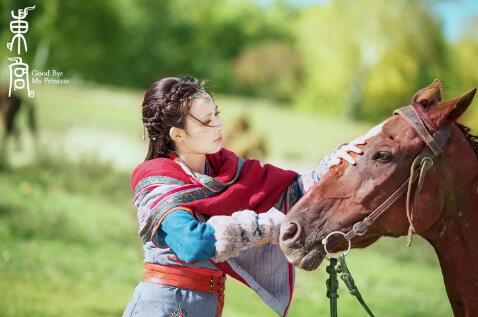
(473, 139)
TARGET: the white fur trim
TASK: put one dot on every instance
(227, 235)
(243, 230)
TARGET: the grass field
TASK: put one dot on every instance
(68, 233)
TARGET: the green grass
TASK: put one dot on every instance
(68, 240)
(68, 243)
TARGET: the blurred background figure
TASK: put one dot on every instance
(243, 140)
(10, 108)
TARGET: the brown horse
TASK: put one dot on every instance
(9, 109)
(441, 205)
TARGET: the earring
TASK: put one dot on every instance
(144, 132)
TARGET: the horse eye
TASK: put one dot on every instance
(383, 156)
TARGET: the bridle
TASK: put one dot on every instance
(418, 119)
(421, 165)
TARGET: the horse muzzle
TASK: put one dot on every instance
(292, 243)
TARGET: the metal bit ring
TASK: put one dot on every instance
(330, 255)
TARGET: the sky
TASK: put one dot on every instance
(455, 13)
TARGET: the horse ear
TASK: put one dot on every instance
(429, 96)
(451, 110)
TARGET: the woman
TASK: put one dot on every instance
(204, 212)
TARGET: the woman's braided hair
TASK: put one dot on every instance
(166, 104)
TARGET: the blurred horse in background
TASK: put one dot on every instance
(10, 107)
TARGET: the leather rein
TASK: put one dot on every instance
(421, 165)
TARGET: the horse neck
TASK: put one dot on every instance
(454, 236)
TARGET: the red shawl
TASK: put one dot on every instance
(258, 187)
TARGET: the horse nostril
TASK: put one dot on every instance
(290, 232)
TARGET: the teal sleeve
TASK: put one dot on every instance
(190, 239)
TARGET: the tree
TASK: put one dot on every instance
(465, 55)
(363, 58)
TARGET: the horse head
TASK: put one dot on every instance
(349, 194)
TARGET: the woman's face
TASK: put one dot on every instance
(203, 134)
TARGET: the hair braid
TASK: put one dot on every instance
(166, 104)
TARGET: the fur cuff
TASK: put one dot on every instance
(227, 234)
(243, 230)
